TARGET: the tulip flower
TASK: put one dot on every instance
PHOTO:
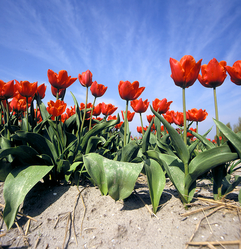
(213, 75)
(97, 110)
(56, 108)
(130, 91)
(189, 134)
(18, 103)
(178, 118)
(85, 78)
(139, 106)
(161, 106)
(61, 80)
(108, 109)
(27, 90)
(139, 129)
(97, 90)
(168, 116)
(235, 72)
(150, 117)
(130, 115)
(41, 90)
(184, 74)
(7, 91)
(197, 116)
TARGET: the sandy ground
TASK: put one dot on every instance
(66, 218)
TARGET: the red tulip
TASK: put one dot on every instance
(98, 90)
(18, 104)
(7, 90)
(189, 134)
(26, 89)
(235, 72)
(150, 117)
(56, 108)
(139, 129)
(118, 126)
(41, 90)
(161, 106)
(168, 116)
(178, 118)
(85, 78)
(139, 106)
(61, 80)
(130, 91)
(185, 72)
(61, 92)
(213, 74)
(197, 115)
(97, 110)
(130, 115)
(108, 109)
(112, 117)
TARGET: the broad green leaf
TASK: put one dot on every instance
(230, 135)
(5, 168)
(177, 141)
(207, 160)
(44, 113)
(205, 141)
(17, 184)
(77, 111)
(113, 177)
(92, 144)
(41, 144)
(129, 152)
(156, 181)
(23, 153)
(228, 185)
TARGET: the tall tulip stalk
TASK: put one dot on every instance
(213, 75)
(184, 74)
(85, 80)
(129, 91)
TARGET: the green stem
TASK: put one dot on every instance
(142, 125)
(27, 111)
(125, 122)
(7, 115)
(92, 113)
(184, 116)
(197, 133)
(1, 113)
(216, 110)
(83, 119)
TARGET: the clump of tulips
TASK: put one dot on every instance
(59, 143)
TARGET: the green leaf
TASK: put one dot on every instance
(234, 139)
(129, 152)
(228, 186)
(41, 144)
(113, 177)
(207, 160)
(77, 111)
(17, 184)
(177, 141)
(146, 138)
(93, 143)
(156, 181)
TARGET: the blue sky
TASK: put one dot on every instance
(124, 40)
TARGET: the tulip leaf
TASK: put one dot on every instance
(177, 141)
(228, 185)
(97, 129)
(92, 144)
(146, 138)
(129, 152)
(113, 177)
(207, 160)
(156, 181)
(41, 144)
(205, 141)
(234, 139)
(77, 111)
(17, 184)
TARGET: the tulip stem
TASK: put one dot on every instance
(216, 111)
(125, 122)
(184, 116)
(83, 119)
(92, 112)
(142, 125)
(27, 111)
